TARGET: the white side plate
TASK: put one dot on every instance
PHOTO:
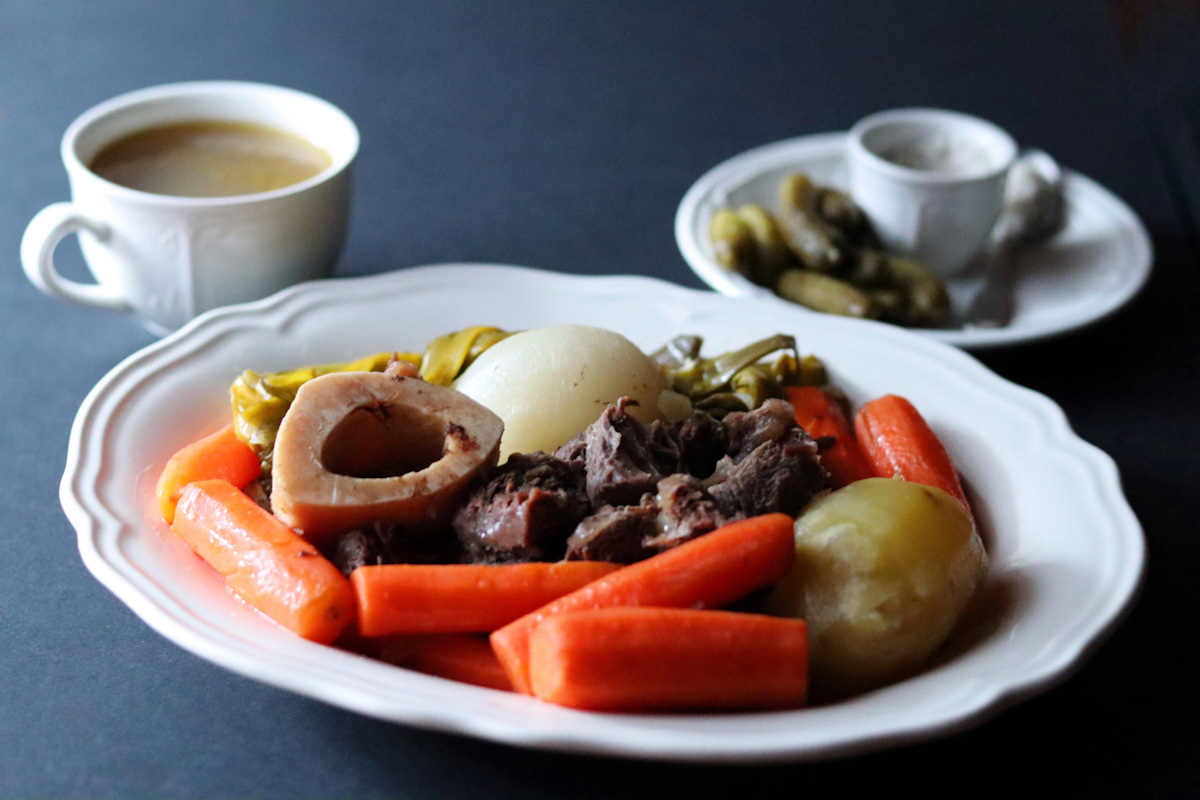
(1066, 549)
(1096, 264)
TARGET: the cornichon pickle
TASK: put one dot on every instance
(773, 251)
(818, 245)
(733, 242)
(870, 270)
(797, 190)
(827, 235)
(823, 293)
(928, 302)
(813, 242)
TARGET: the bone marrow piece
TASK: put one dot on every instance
(366, 447)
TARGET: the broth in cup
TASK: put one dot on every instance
(209, 158)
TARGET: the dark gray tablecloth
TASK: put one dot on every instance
(562, 136)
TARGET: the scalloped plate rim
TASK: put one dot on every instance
(518, 720)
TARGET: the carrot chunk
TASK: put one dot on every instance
(461, 598)
(708, 572)
(822, 417)
(456, 656)
(898, 442)
(263, 561)
(218, 455)
(669, 659)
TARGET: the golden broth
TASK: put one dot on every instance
(209, 159)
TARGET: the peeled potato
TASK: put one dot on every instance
(548, 384)
(884, 569)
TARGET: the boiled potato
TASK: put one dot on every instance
(548, 384)
(884, 569)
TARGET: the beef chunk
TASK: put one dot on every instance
(575, 451)
(778, 475)
(622, 491)
(524, 512)
(382, 543)
(747, 430)
(615, 533)
(685, 511)
(703, 440)
(626, 459)
(356, 549)
(679, 510)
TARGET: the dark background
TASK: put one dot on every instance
(562, 136)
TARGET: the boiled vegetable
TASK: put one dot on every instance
(884, 570)
(364, 447)
(447, 356)
(821, 415)
(263, 561)
(898, 441)
(461, 598)
(669, 659)
(218, 455)
(548, 384)
(708, 572)
(459, 657)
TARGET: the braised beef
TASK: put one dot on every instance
(614, 533)
(623, 490)
(685, 510)
(703, 440)
(778, 475)
(747, 430)
(625, 458)
(382, 543)
(524, 512)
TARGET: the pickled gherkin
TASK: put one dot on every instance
(927, 303)
(824, 293)
(733, 242)
(818, 249)
(818, 245)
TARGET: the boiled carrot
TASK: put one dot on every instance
(710, 571)
(461, 598)
(898, 442)
(218, 455)
(669, 659)
(264, 561)
(822, 417)
(461, 657)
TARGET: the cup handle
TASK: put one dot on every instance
(49, 227)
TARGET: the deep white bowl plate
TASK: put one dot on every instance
(1094, 266)
(1066, 549)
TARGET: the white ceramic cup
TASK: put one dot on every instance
(167, 258)
(931, 181)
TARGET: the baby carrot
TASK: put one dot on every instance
(821, 416)
(456, 656)
(898, 441)
(263, 561)
(669, 659)
(218, 455)
(461, 598)
(707, 572)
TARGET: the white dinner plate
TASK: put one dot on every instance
(1066, 549)
(1096, 264)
